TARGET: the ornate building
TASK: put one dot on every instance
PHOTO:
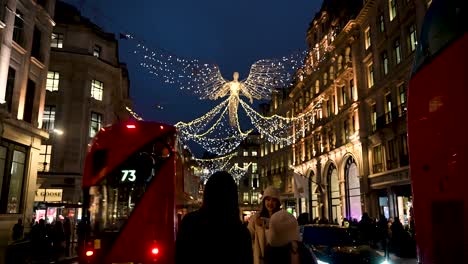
(245, 164)
(87, 88)
(25, 30)
(354, 152)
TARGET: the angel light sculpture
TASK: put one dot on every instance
(233, 88)
(206, 81)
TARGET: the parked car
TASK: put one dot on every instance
(335, 245)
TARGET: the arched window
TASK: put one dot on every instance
(353, 191)
(334, 196)
(315, 191)
(317, 86)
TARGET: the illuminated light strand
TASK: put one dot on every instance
(205, 79)
(221, 140)
(200, 124)
(239, 172)
(210, 166)
(133, 113)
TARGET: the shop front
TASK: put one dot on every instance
(391, 196)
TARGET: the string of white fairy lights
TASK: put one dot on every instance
(204, 79)
(210, 166)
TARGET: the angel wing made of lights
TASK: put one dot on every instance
(206, 81)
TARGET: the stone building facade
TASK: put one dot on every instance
(25, 30)
(354, 152)
(87, 89)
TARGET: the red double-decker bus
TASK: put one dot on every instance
(437, 138)
(131, 178)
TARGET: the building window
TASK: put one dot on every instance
(392, 155)
(10, 86)
(245, 197)
(48, 118)
(367, 36)
(325, 79)
(53, 79)
(317, 86)
(245, 153)
(95, 124)
(18, 31)
(255, 197)
(397, 51)
(97, 51)
(45, 155)
(392, 9)
(36, 45)
(402, 99)
(12, 171)
(254, 153)
(412, 38)
(334, 194)
(388, 108)
(345, 130)
(353, 120)
(254, 167)
(351, 90)
(374, 117)
(353, 190)
(328, 106)
(381, 23)
(384, 58)
(370, 75)
(57, 40)
(403, 150)
(344, 95)
(377, 159)
(97, 89)
(29, 101)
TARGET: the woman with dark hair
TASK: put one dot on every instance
(258, 224)
(215, 233)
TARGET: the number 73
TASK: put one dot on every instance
(129, 175)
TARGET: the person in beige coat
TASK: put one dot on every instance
(259, 223)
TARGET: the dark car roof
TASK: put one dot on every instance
(330, 235)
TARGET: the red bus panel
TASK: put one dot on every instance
(437, 138)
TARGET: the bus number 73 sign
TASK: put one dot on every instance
(128, 175)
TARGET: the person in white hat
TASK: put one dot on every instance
(284, 246)
(258, 224)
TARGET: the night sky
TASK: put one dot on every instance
(231, 34)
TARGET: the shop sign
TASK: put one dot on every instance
(48, 195)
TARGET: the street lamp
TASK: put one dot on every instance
(58, 131)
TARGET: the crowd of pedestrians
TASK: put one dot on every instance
(44, 240)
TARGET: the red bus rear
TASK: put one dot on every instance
(129, 185)
(437, 138)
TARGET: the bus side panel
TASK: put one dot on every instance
(438, 149)
(152, 219)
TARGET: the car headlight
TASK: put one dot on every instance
(323, 262)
